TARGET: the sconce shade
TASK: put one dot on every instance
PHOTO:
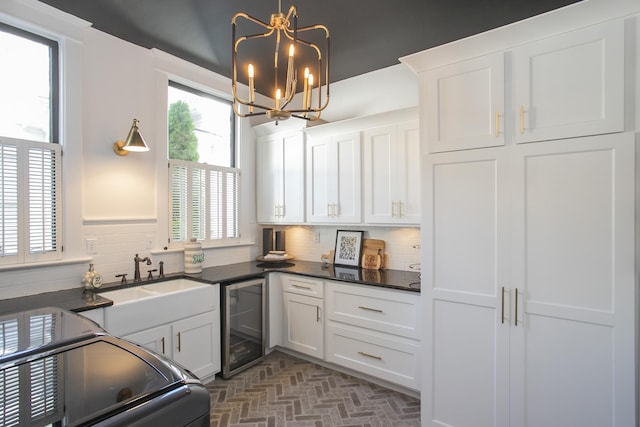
(134, 141)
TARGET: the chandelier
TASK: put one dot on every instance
(290, 45)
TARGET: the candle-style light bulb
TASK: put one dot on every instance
(251, 86)
(278, 96)
(305, 90)
(309, 98)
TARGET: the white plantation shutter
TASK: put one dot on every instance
(30, 194)
(8, 200)
(203, 202)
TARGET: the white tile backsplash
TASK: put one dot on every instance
(402, 244)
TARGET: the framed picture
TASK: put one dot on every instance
(348, 248)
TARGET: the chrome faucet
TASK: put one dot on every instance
(137, 260)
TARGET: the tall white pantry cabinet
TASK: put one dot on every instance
(530, 277)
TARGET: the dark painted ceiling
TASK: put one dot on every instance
(366, 35)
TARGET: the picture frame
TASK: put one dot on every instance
(348, 248)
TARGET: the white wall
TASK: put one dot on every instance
(120, 202)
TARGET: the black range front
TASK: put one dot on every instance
(61, 369)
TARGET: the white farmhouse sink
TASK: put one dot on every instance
(144, 306)
(152, 290)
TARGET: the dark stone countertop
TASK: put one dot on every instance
(79, 300)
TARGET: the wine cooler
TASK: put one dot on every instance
(243, 325)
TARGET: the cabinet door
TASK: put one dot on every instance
(465, 104)
(156, 339)
(334, 183)
(320, 180)
(465, 347)
(379, 158)
(304, 324)
(572, 352)
(196, 343)
(293, 179)
(570, 85)
(269, 179)
(408, 173)
(391, 159)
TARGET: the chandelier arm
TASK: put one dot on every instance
(250, 18)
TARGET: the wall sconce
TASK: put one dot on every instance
(134, 141)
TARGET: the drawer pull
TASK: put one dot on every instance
(369, 309)
(162, 345)
(306, 288)
(362, 353)
(179, 342)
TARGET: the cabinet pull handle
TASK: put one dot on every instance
(333, 210)
(521, 119)
(362, 353)
(179, 342)
(497, 124)
(275, 211)
(516, 306)
(400, 209)
(502, 303)
(393, 208)
(301, 287)
(318, 313)
(328, 209)
(162, 340)
(369, 309)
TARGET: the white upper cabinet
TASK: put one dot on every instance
(464, 104)
(392, 174)
(280, 178)
(564, 86)
(570, 85)
(333, 179)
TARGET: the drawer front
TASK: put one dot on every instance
(392, 312)
(303, 286)
(383, 356)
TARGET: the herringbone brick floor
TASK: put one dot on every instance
(286, 391)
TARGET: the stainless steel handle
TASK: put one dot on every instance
(333, 210)
(502, 304)
(301, 287)
(497, 124)
(162, 341)
(400, 208)
(179, 342)
(516, 306)
(362, 353)
(369, 309)
(328, 209)
(393, 208)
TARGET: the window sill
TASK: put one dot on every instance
(46, 264)
(176, 249)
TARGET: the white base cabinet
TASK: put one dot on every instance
(190, 342)
(303, 315)
(188, 334)
(374, 331)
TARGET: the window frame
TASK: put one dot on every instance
(24, 255)
(207, 169)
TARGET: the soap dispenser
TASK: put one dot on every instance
(91, 279)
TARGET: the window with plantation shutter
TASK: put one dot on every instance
(203, 182)
(204, 202)
(30, 158)
(29, 201)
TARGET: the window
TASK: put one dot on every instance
(30, 157)
(203, 180)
